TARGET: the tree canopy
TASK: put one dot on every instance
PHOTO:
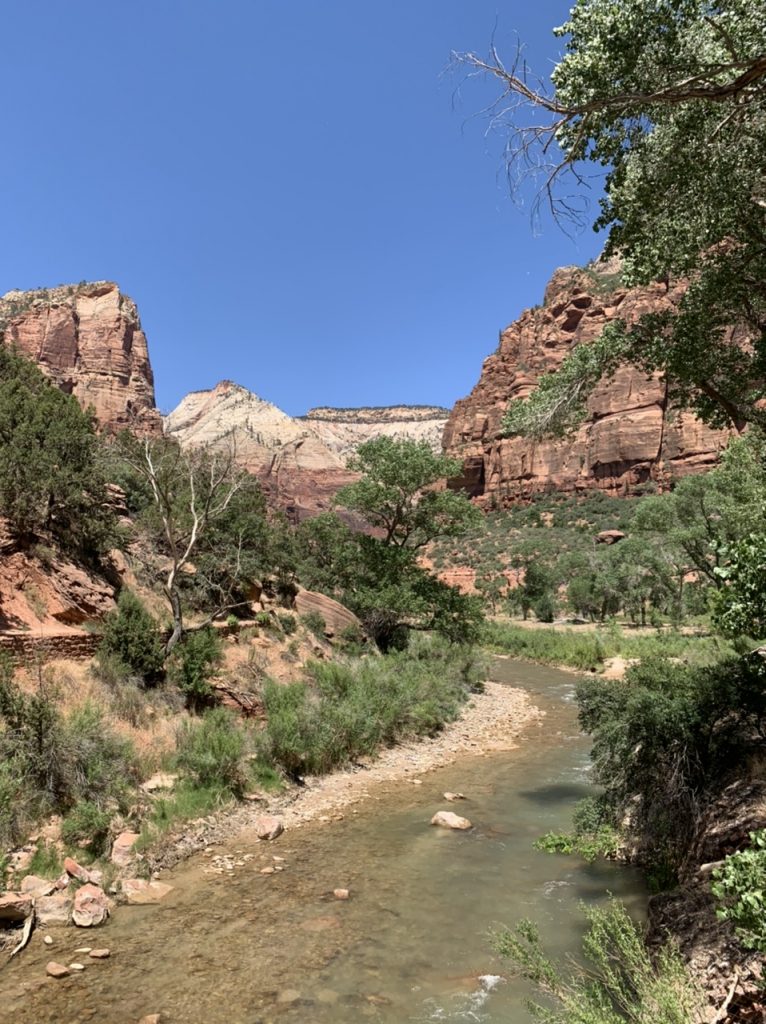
(51, 478)
(669, 100)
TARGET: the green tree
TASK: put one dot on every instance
(378, 575)
(131, 635)
(51, 479)
(669, 98)
(207, 516)
(399, 493)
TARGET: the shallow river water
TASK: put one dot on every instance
(411, 945)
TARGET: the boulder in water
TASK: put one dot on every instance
(446, 819)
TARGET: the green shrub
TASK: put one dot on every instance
(131, 636)
(545, 608)
(740, 887)
(315, 624)
(194, 662)
(287, 622)
(620, 982)
(87, 823)
(101, 764)
(46, 861)
(210, 752)
(352, 709)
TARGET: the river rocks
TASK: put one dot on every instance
(15, 907)
(341, 894)
(268, 827)
(453, 796)
(91, 906)
(56, 970)
(122, 849)
(139, 892)
(151, 1018)
(100, 954)
(54, 909)
(75, 870)
(48, 940)
(446, 819)
(77, 967)
(36, 886)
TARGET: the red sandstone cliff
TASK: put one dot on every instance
(88, 338)
(630, 435)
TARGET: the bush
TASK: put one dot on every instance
(740, 886)
(545, 608)
(210, 752)
(288, 623)
(315, 624)
(101, 764)
(194, 662)
(131, 637)
(621, 982)
(88, 824)
(355, 708)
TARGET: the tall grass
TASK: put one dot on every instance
(587, 651)
(353, 709)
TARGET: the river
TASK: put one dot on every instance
(410, 945)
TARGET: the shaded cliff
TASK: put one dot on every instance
(88, 339)
(631, 435)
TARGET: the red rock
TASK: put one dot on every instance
(268, 827)
(36, 886)
(15, 906)
(629, 437)
(75, 870)
(88, 338)
(55, 970)
(53, 909)
(610, 537)
(336, 616)
(122, 849)
(99, 954)
(91, 906)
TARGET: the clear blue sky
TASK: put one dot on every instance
(287, 190)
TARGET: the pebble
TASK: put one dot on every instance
(84, 949)
(340, 894)
(267, 871)
(48, 940)
(100, 954)
(55, 970)
(77, 967)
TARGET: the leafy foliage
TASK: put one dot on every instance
(51, 478)
(193, 662)
(740, 886)
(131, 636)
(211, 752)
(670, 99)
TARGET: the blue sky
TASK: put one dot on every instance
(291, 192)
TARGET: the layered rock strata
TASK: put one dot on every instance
(631, 435)
(300, 461)
(88, 339)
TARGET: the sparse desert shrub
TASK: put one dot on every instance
(287, 622)
(101, 764)
(131, 635)
(194, 662)
(87, 823)
(315, 624)
(46, 862)
(210, 752)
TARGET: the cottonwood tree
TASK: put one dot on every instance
(208, 514)
(668, 101)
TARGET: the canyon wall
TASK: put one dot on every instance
(630, 436)
(88, 339)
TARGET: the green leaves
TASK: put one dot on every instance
(740, 886)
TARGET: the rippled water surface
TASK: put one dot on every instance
(410, 945)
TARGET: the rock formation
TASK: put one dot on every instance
(301, 462)
(343, 430)
(631, 435)
(88, 338)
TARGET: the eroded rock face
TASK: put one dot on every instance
(88, 339)
(630, 436)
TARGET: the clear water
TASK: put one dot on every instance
(411, 945)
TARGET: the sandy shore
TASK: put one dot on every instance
(490, 721)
